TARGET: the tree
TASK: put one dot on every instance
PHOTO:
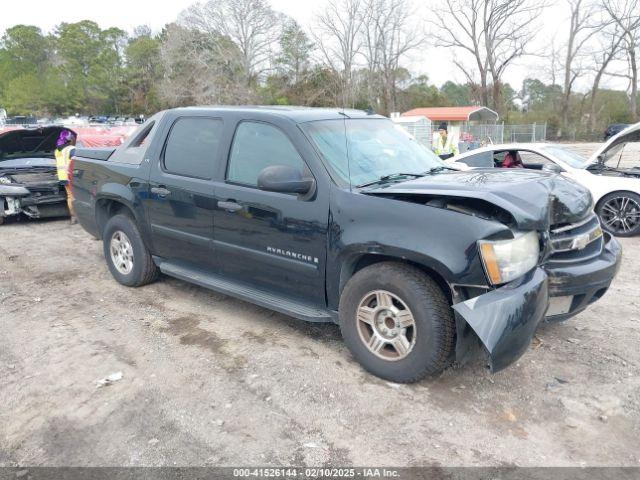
(493, 33)
(89, 61)
(626, 15)
(142, 71)
(388, 36)
(610, 42)
(294, 60)
(24, 57)
(26, 48)
(201, 68)
(458, 95)
(337, 33)
(421, 93)
(581, 29)
(251, 25)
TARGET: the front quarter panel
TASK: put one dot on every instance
(441, 240)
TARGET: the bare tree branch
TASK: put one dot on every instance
(493, 32)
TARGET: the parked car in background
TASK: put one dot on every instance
(329, 215)
(612, 173)
(28, 178)
(21, 120)
(614, 130)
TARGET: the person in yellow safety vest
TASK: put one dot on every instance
(65, 149)
(444, 145)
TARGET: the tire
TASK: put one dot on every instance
(619, 213)
(129, 260)
(428, 344)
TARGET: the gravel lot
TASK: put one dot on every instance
(210, 380)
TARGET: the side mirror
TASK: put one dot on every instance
(284, 179)
(551, 168)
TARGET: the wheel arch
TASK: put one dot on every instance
(618, 191)
(353, 264)
(107, 207)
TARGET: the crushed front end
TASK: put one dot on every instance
(28, 181)
(582, 262)
(35, 193)
(577, 264)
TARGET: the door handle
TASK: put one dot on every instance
(160, 191)
(230, 206)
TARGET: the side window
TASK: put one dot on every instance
(479, 160)
(192, 146)
(534, 160)
(141, 138)
(257, 146)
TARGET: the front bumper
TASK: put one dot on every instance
(17, 199)
(505, 319)
(581, 284)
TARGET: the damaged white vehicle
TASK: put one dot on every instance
(612, 173)
(28, 180)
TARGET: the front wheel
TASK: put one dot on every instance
(397, 322)
(127, 256)
(619, 213)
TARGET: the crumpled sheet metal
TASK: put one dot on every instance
(506, 319)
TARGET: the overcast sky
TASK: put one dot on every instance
(127, 14)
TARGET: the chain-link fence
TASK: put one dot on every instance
(473, 136)
(524, 133)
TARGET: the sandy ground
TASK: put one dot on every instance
(210, 380)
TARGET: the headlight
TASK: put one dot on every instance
(506, 260)
(5, 180)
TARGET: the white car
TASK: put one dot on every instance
(612, 173)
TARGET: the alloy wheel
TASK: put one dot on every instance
(386, 325)
(121, 252)
(620, 214)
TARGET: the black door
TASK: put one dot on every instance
(275, 241)
(181, 203)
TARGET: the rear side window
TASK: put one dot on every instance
(141, 138)
(192, 147)
(257, 146)
(482, 160)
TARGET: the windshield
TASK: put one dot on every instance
(375, 149)
(567, 156)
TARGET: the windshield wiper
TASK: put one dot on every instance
(391, 176)
(438, 169)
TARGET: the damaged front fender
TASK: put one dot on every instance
(506, 319)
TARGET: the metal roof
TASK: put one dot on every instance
(295, 113)
(454, 114)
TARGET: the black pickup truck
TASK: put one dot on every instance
(340, 216)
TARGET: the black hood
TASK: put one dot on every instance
(21, 143)
(535, 200)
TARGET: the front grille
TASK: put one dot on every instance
(39, 183)
(576, 242)
(35, 177)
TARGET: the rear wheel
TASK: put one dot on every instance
(127, 256)
(397, 322)
(619, 213)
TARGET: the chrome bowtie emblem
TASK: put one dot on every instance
(580, 242)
